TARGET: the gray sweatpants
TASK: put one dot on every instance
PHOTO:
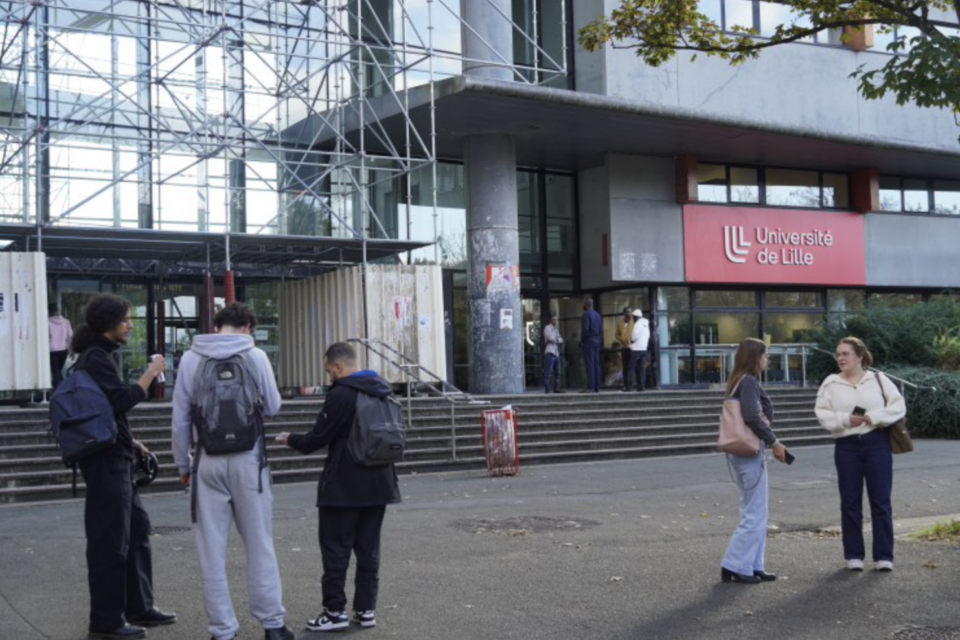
(227, 493)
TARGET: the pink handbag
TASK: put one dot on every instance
(736, 437)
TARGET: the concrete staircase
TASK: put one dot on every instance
(568, 427)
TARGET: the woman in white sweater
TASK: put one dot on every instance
(855, 406)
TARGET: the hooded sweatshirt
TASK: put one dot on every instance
(217, 346)
(60, 333)
(640, 338)
(343, 482)
(837, 398)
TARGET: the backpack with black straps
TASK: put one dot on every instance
(378, 435)
(81, 416)
(227, 409)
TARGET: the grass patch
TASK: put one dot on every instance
(942, 531)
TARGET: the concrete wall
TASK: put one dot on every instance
(594, 211)
(912, 251)
(631, 200)
(802, 86)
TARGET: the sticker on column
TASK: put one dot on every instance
(506, 319)
(501, 276)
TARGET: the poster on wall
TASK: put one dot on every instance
(755, 245)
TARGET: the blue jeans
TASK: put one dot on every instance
(745, 551)
(551, 366)
(591, 360)
(860, 460)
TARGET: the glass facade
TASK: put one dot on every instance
(772, 186)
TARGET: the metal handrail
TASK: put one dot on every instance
(901, 381)
(413, 372)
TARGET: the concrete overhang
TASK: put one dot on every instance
(571, 130)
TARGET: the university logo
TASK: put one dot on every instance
(734, 246)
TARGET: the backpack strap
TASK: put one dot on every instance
(251, 370)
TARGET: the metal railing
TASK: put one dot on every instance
(416, 374)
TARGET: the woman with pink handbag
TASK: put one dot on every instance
(747, 404)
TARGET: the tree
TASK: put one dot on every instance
(926, 70)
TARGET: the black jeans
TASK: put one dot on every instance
(343, 530)
(119, 564)
(638, 367)
(57, 360)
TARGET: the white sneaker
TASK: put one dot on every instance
(884, 565)
(855, 565)
(365, 619)
(329, 621)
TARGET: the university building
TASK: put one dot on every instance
(182, 153)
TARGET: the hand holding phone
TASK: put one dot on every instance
(789, 457)
(859, 411)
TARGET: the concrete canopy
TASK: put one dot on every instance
(571, 130)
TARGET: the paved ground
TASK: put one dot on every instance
(611, 550)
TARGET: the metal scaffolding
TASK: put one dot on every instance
(191, 116)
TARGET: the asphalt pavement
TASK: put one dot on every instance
(611, 550)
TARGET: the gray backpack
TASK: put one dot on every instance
(379, 433)
(228, 407)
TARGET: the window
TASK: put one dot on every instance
(792, 188)
(894, 299)
(772, 186)
(946, 197)
(916, 195)
(836, 187)
(793, 299)
(891, 196)
(744, 185)
(725, 299)
(712, 183)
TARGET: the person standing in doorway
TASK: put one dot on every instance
(551, 356)
(590, 341)
(639, 339)
(624, 337)
(60, 334)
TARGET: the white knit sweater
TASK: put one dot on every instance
(837, 398)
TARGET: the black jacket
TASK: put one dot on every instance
(344, 483)
(97, 361)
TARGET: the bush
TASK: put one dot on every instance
(931, 414)
(921, 335)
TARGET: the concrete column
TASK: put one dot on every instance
(493, 254)
(487, 38)
(493, 247)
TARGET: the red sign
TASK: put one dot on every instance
(773, 246)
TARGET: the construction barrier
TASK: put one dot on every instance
(499, 430)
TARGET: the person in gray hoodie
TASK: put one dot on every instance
(230, 488)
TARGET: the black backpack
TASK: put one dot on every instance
(378, 435)
(81, 416)
(227, 409)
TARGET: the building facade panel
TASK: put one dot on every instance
(912, 251)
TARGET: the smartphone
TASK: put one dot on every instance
(789, 458)
(859, 411)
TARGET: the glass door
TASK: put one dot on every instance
(532, 344)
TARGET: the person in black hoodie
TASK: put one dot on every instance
(119, 563)
(351, 498)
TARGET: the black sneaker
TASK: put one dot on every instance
(126, 632)
(329, 621)
(365, 619)
(280, 633)
(152, 618)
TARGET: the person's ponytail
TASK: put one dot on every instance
(83, 337)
